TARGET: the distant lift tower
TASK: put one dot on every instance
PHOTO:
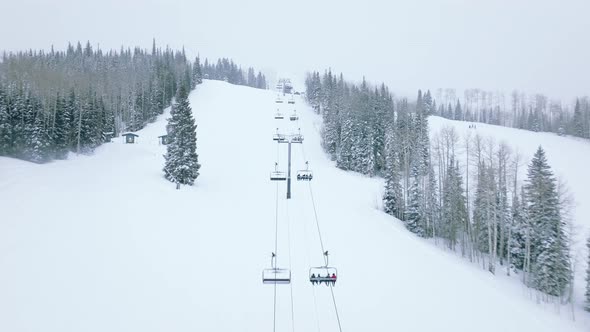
(297, 139)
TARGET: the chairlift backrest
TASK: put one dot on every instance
(278, 176)
(275, 276)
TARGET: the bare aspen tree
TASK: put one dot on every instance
(468, 228)
(503, 157)
(515, 165)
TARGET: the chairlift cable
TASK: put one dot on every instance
(308, 261)
(322, 244)
(289, 251)
(336, 308)
(274, 312)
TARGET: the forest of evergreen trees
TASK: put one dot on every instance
(55, 102)
(477, 205)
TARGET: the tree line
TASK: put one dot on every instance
(461, 191)
(56, 102)
(226, 70)
(530, 112)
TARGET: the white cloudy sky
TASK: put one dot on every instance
(532, 45)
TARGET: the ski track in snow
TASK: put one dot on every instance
(104, 243)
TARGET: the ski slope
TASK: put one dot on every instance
(104, 243)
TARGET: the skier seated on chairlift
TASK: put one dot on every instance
(313, 279)
(333, 278)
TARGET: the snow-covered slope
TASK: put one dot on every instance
(104, 243)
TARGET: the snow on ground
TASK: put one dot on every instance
(104, 243)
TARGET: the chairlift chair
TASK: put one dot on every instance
(274, 275)
(277, 175)
(291, 101)
(305, 174)
(278, 137)
(321, 274)
(297, 138)
(294, 117)
(279, 116)
(279, 101)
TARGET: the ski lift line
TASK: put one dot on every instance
(289, 251)
(276, 224)
(308, 262)
(325, 256)
(336, 308)
(274, 311)
(315, 213)
(322, 246)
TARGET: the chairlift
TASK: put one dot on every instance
(279, 116)
(291, 101)
(297, 138)
(294, 116)
(323, 274)
(274, 275)
(305, 174)
(277, 175)
(278, 137)
(279, 101)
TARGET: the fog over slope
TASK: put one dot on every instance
(530, 45)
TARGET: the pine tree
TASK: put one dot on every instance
(432, 204)
(517, 245)
(549, 245)
(197, 72)
(392, 197)
(182, 166)
(5, 125)
(454, 209)
(329, 114)
(62, 128)
(414, 214)
(37, 139)
(578, 120)
(587, 293)
(458, 111)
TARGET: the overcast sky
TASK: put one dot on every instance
(531, 45)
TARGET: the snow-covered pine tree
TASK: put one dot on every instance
(5, 125)
(454, 209)
(197, 72)
(61, 128)
(587, 293)
(578, 120)
(37, 139)
(458, 111)
(517, 244)
(432, 212)
(182, 166)
(549, 245)
(414, 214)
(344, 155)
(392, 197)
(329, 131)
